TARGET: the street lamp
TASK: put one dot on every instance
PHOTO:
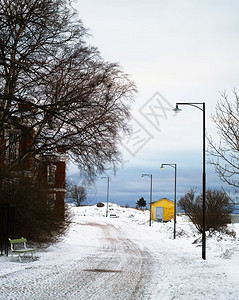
(175, 203)
(150, 201)
(177, 109)
(107, 203)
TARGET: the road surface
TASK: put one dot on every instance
(118, 269)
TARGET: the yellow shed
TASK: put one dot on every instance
(162, 210)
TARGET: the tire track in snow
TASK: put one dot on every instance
(119, 270)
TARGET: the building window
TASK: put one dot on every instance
(12, 145)
(51, 201)
(51, 173)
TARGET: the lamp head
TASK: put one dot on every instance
(161, 166)
(177, 109)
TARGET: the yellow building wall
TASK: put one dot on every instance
(168, 209)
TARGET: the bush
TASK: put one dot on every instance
(36, 217)
(218, 209)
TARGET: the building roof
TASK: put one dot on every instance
(163, 199)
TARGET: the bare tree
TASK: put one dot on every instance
(58, 87)
(218, 209)
(225, 154)
(56, 94)
(77, 193)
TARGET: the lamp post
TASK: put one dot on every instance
(175, 203)
(107, 202)
(177, 109)
(150, 195)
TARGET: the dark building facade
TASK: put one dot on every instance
(47, 168)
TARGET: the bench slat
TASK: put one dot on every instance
(17, 241)
(25, 250)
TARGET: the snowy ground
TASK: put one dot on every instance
(124, 258)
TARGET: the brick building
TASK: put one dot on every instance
(52, 169)
(16, 141)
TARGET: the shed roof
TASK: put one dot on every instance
(162, 199)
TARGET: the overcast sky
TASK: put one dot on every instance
(175, 51)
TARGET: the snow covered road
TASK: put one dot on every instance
(118, 269)
(123, 258)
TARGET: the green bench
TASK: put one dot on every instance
(23, 249)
